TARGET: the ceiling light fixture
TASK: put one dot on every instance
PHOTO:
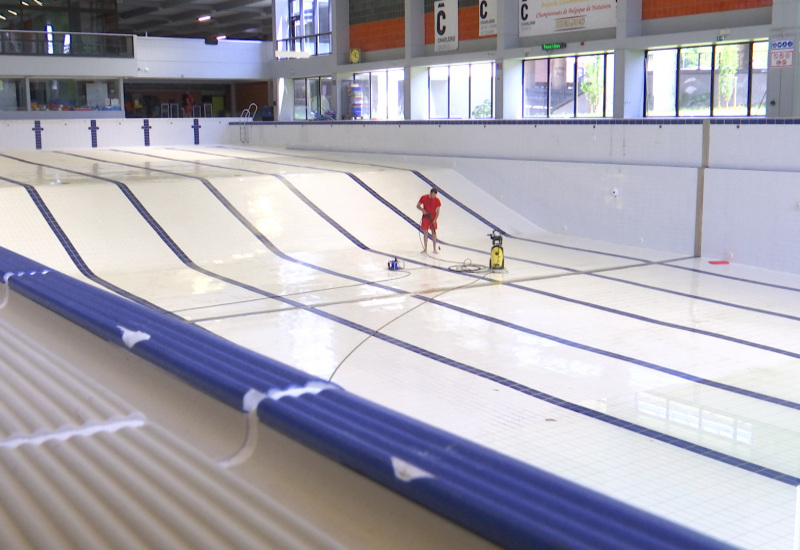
(222, 37)
(204, 18)
(12, 12)
(25, 4)
(38, 3)
(3, 17)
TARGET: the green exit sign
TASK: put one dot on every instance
(554, 46)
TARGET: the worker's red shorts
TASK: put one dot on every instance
(426, 223)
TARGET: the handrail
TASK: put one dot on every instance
(247, 116)
(74, 44)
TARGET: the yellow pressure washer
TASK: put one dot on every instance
(496, 259)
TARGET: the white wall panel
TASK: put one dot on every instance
(753, 217)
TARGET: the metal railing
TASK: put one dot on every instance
(74, 44)
(312, 44)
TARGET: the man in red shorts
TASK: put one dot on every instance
(429, 205)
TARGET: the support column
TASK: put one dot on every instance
(415, 47)
(783, 83)
(629, 72)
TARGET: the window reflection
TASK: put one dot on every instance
(567, 87)
(714, 80)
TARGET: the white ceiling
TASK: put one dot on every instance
(242, 19)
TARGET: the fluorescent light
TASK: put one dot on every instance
(222, 37)
(204, 18)
(12, 12)
(25, 4)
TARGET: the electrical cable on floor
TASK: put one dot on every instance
(381, 328)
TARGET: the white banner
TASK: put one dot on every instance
(538, 17)
(487, 17)
(445, 25)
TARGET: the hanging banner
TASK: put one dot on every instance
(538, 17)
(445, 25)
(487, 17)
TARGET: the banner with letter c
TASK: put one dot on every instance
(445, 25)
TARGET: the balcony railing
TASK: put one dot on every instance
(310, 45)
(73, 44)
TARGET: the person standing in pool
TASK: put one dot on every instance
(429, 205)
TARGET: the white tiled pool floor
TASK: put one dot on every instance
(667, 382)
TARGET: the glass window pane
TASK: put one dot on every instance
(758, 91)
(356, 97)
(312, 98)
(534, 88)
(12, 95)
(395, 99)
(591, 85)
(609, 85)
(694, 81)
(459, 91)
(481, 84)
(363, 80)
(662, 66)
(378, 94)
(71, 95)
(438, 95)
(731, 79)
(300, 99)
(327, 97)
(562, 87)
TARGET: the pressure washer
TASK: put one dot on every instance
(496, 259)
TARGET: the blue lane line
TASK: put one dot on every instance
(585, 411)
(523, 288)
(695, 297)
(619, 357)
(73, 253)
(319, 211)
(727, 459)
(646, 364)
(525, 239)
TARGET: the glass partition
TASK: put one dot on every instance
(694, 81)
(569, 86)
(74, 95)
(461, 91)
(314, 98)
(378, 94)
(44, 43)
(721, 79)
(12, 95)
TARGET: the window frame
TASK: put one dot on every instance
(713, 77)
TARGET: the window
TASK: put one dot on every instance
(304, 26)
(74, 95)
(12, 95)
(694, 81)
(567, 87)
(461, 91)
(314, 98)
(377, 95)
(716, 80)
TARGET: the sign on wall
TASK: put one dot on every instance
(445, 25)
(781, 53)
(487, 17)
(538, 17)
